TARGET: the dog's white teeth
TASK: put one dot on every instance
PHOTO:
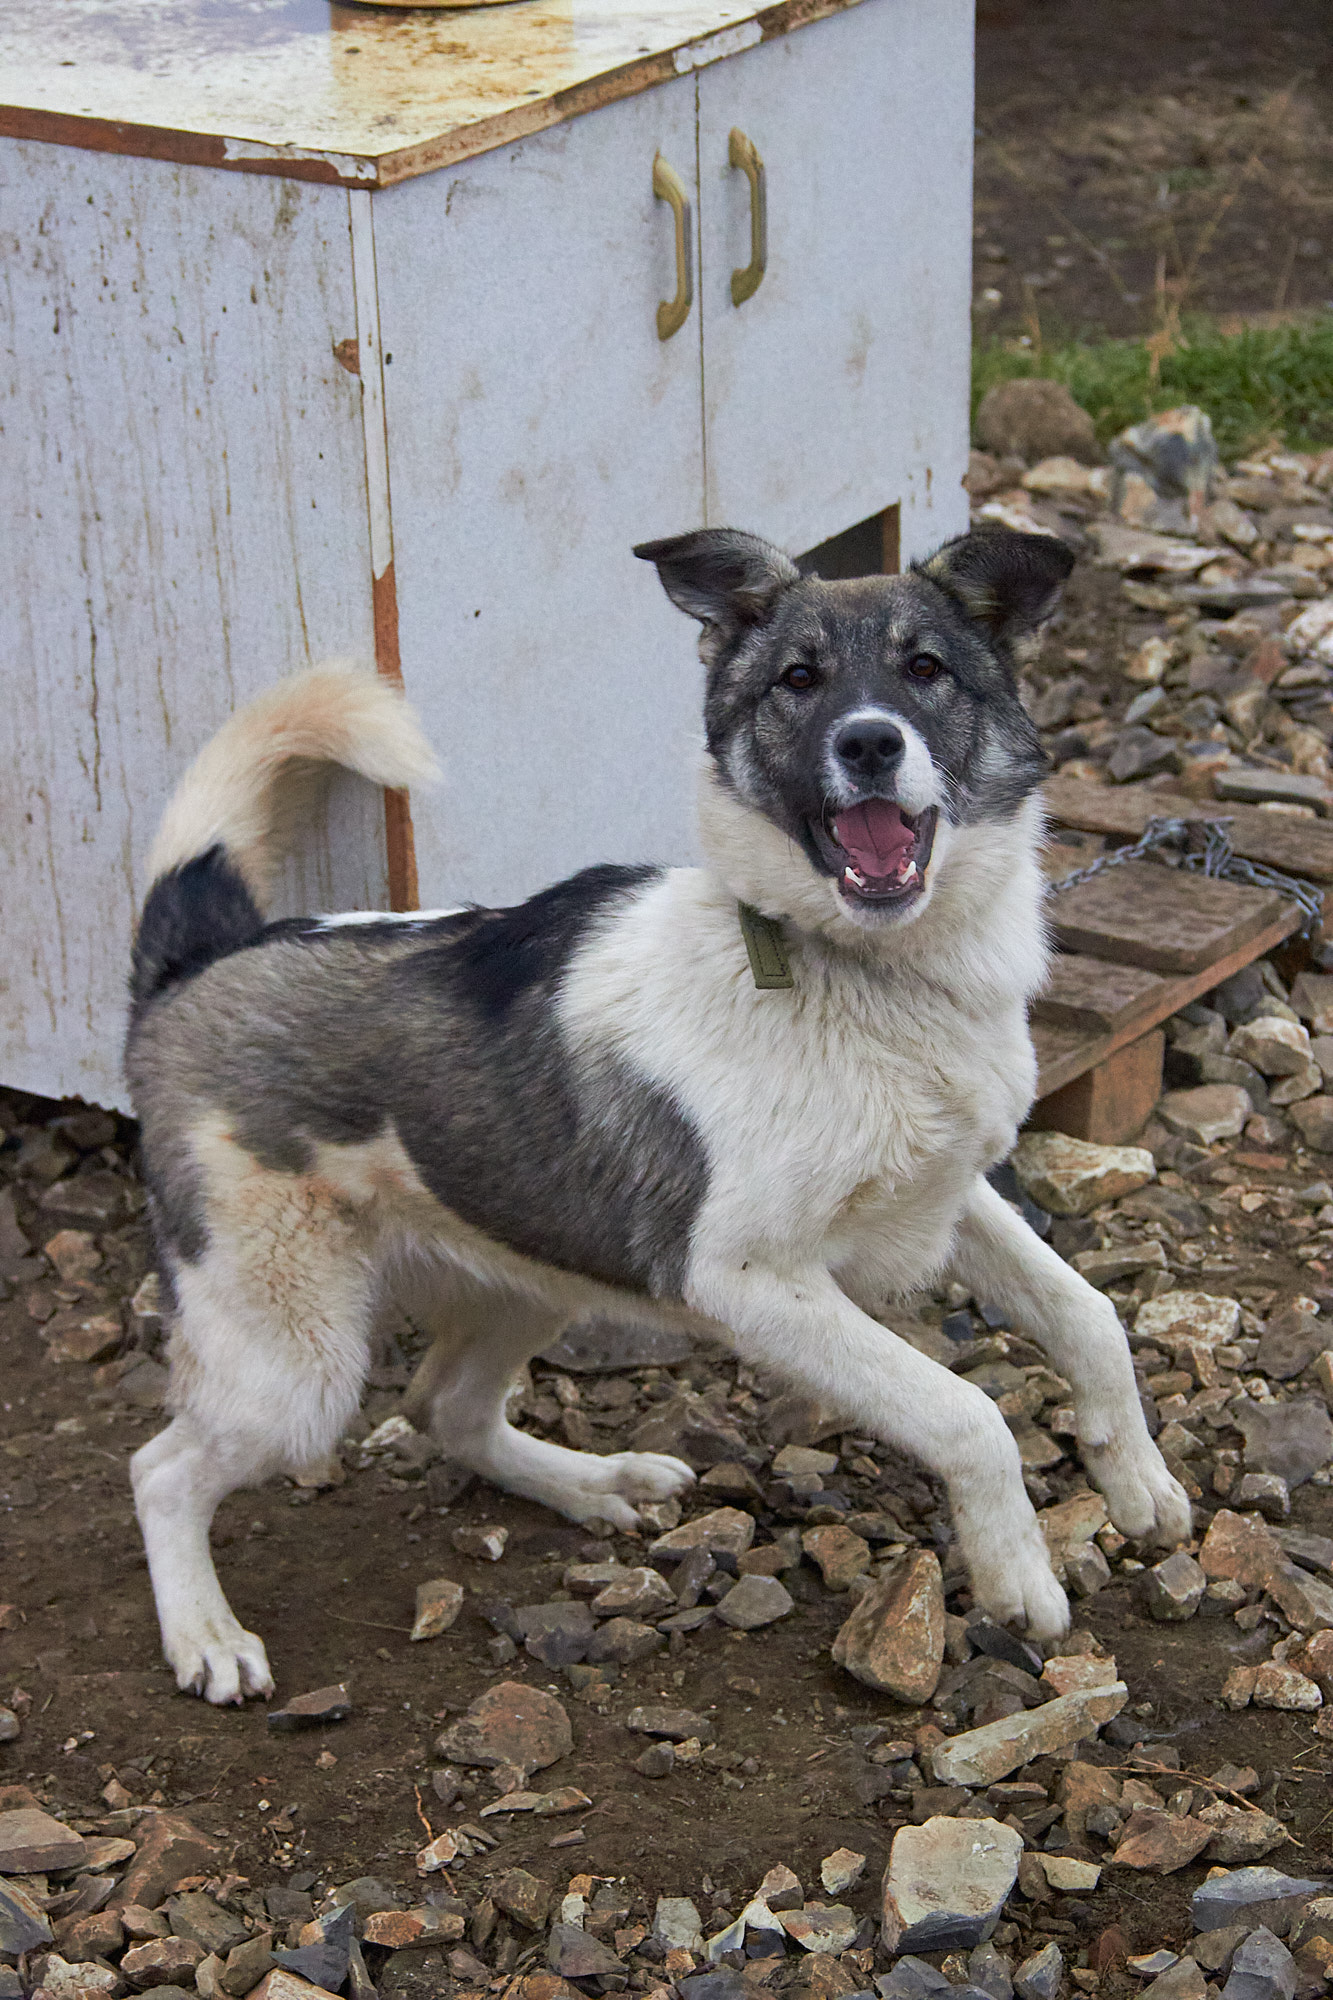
(907, 873)
(856, 878)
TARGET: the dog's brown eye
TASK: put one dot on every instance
(801, 676)
(924, 667)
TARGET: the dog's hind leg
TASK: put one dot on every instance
(460, 1392)
(179, 1479)
(265, 1374)
(1005, 1263)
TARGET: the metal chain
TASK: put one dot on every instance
(1215, 858)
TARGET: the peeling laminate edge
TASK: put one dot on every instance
(345, 166)
(235, 154)
(399, 837)
(370, 359)
(155, 142)
(714, 48)
(524, 121)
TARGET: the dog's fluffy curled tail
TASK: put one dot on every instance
(224, 831)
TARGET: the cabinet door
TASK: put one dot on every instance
(182, 521)
(841, 386)
(537, 429)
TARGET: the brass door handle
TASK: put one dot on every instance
(746, 281)
(668, 186)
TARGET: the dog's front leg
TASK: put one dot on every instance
(801, 1324)
(1005, 1263)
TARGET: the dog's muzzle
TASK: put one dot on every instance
(878, 852)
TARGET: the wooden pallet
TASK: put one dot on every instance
(1139, 942)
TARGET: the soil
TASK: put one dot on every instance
(1110, 137)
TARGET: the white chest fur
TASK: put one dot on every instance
(843, 1120)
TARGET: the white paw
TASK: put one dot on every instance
(646, 1475)
(1013, 1582)
(606, 1487)
(583, 1504)
(1142, 1498)
(223, 1664)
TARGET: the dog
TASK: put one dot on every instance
(514, 1115)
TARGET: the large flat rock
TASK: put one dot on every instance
(984, 1756)
(946, 1883)
(31, 1843)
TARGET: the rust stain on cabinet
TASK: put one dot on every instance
(400, 842)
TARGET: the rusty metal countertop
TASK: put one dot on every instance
(361, 95)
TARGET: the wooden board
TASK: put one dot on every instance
(1280, 840)
(1160, 918)
(1064, 1051)
(1110, 1102)
(1141, 941)
(1093, 993)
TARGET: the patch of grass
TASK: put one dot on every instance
(1257, 386)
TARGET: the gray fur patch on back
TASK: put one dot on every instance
(334, 1035)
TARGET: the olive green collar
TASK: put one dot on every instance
(769, 962)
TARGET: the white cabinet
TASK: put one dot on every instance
(343, 340)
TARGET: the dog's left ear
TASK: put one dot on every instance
(722, 576)
(1005, 581)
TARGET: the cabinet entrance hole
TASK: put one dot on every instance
(868, 549)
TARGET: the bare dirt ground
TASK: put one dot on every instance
(1115, 139)
(329, 1577)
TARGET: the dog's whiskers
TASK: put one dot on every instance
(956, 794)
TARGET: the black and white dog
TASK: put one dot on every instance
(523, 1112)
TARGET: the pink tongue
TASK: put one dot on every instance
(875, 836)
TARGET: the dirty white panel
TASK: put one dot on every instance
(537, 429)
(182, 521)
(841, 386)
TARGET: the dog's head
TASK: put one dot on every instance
(867, 721)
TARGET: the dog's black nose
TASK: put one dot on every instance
(869, 746)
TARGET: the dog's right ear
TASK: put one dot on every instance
(722, 576)
(1006, 581)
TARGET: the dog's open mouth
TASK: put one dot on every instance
(878, 852)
